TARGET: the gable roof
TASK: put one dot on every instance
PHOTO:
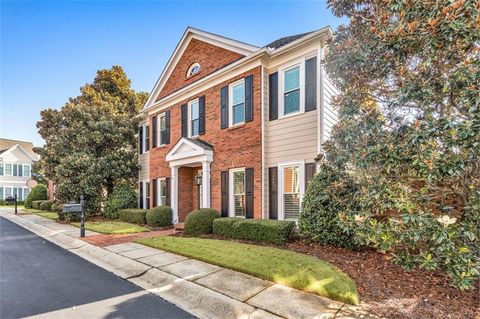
(27, 147)
(286, 40)
(189, 34)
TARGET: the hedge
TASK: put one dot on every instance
(36, 203)
(39, 192)
(200, 221)
(159, 216)
(260, 230)
(56, 207)
(133, 215)
(46, 205)
(3, 202)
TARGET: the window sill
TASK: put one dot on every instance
(237, 126)
(161, 146)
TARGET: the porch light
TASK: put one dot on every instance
(198, 180)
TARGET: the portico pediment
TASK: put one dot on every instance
(188, 150)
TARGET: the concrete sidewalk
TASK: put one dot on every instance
(204, 290)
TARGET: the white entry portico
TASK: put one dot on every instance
(190, 153)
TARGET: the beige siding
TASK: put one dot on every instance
(144, 162)
(329, 113)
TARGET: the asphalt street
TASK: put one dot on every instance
(40, 279)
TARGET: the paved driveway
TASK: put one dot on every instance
(38, 278)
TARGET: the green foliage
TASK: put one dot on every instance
(326, 200)
(123, 196)
(200, 221)
(261, 230)
(46, 205)
(38, 192)
(159, 216)
(90, 144)
(409, 130)
(133, 215)
(3, 202)
(36, 204)
(57, 207)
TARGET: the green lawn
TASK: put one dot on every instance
(12, 206)
(42, 213)
(281, 266)
(112, 227)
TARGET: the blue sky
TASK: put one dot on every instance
(50, 49)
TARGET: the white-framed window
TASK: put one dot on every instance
(193, 118)
(291, 89)
(162, 192)
(292, 188)
(193, 69)
(8, 169)
(236, 102)
(15, 170)
(1, 171)
(1, 193)
(146, 138)
(27, 170)
(8, 191)
(146, 194)
(237, 192)
(26, 191)
(162, 129)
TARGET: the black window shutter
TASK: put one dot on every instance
(184, 120)
(311, 84)
(201, 115)
(154, 131)
(224, 186)
(273, 192)
(167, 184)
(249, 192)
(310, 170)
(249, 98)
(167, 127)
(140, 140)
(224, 107)
(155, 192)
(273, 97)
(140, 194)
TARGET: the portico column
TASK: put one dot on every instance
(206, 184)
(174, 193)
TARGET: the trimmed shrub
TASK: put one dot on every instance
(159, 216)
(46, 205)
(123, 196)
(57, 208)
(36, 204)
(133, 215)
(200, 221)
(260, 230)
(323, 206)
(39, 192)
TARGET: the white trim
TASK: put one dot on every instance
(158, 194)
(281, 72)
(197, 154)
(152, 106)
(145, 129)
(189, 116)
(144, 193)
(20, 147)
(5, 169)
(29, 170)
(16, 182)
(320, 102)
(189, 34)
(231, 200)
(230, 103)
(174, 193)
(159, 121)
(280, 166)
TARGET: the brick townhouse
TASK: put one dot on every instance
(235, 127)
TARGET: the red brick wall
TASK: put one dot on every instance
(202, 53)
(233, 147)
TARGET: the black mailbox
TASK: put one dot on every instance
(76, 208)
(12, 200)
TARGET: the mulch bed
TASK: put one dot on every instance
(387, 290)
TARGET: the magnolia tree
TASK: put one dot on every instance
(90, 143)
(409, 130)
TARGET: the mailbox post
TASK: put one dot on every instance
(11, 199)
(77, 208)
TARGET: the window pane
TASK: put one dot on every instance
(8, 192)
(239, 113)
(291, 179)
(1, 171)
(25, 192)
(291, 205)
(15, 170)
(26, 170)
(292, 79)
(195, 124)
(194, 110)
(239, 182)
(292, 102)
(1, 193)
(239, 205)
(8, 169)
(20, 170)
(163, 192)
(238, 94)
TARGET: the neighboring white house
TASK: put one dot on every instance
(16, 159)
